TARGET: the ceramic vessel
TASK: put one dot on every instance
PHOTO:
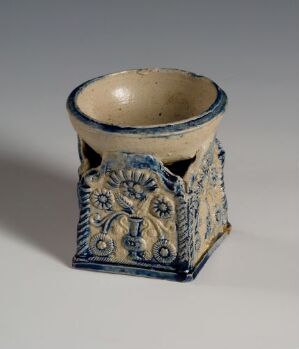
(151, 190)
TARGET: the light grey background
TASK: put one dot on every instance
(247, 294)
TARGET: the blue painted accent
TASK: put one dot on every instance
(97, 252)
(143, 161)
(216, 108)
(183, 276)
(138, 161)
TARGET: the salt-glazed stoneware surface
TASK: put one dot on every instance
(151, 190)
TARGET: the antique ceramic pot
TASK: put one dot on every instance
(151, 188)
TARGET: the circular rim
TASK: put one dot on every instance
(213, 111)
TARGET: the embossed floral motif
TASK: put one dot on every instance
(164, 252)
(132, 184)
(102, 199)
(162, 207)
(125, 219)
(101, 245)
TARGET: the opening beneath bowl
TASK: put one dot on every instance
(180, 168)
(94, 160)
(146, 97)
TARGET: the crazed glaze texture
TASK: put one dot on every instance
(137, 217)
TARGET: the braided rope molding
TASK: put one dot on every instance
(221, 157)
(183, 230)
(194, 204)
(83, 228)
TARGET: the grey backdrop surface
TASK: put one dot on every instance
(247, 294)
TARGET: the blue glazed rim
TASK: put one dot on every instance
(216, 108)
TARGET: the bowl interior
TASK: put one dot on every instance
(146, 97)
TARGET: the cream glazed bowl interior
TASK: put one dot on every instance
(168, 113)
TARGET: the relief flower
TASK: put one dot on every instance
(164, 252)
(162, 207)
(134, 185)
(102, 199)
(101, 245)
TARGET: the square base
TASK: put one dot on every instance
(152, 273)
